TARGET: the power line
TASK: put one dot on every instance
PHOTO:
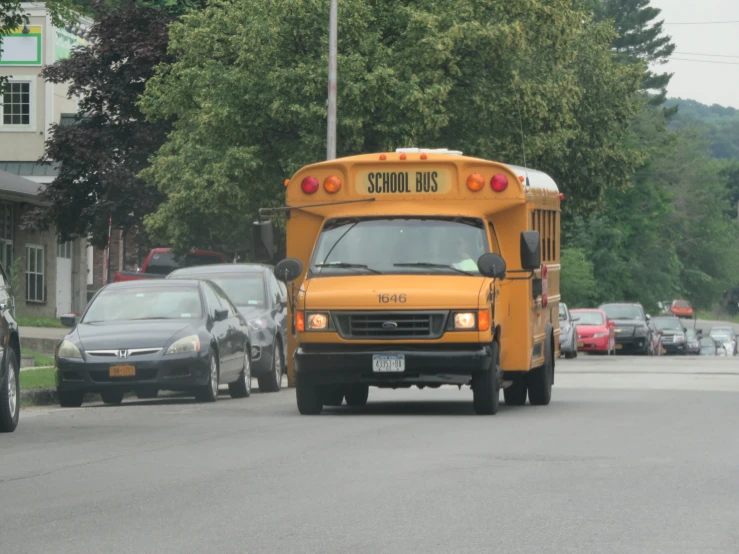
(701, 23)
(706, 55)
(704, 61)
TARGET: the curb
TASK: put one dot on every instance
(48, 397)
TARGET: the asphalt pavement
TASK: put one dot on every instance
(633, 455)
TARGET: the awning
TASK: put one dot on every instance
(17, 188)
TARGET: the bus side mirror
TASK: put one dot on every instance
(491, 265)
(530, 250)
(288, 269)
(266, 236)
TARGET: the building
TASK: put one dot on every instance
(52, 277)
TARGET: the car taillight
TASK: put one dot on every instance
(309, 185)
(499, 182)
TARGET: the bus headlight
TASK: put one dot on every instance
(317, 322)
(464, 320)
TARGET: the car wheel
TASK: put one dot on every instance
(486, 386)
(209, 392)
(241, 388)
(146, 392)
(272, 382)
(10, 400)
(112, 396)
(307, 396)
(515, 394)
(70, 398)
(356, 395)
(539, 380)
(569, 355)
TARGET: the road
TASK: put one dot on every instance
(633, 455)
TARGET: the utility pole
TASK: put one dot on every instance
(332, 44)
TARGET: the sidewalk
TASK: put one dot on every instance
(41, 339)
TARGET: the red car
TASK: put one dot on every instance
(161, 262)
(681, 308)
(595, 333)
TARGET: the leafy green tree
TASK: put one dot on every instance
(248, 93)
(578, 285)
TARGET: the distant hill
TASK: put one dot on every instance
(718, 124)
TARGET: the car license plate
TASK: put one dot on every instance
(580, 344)
(619, 346)
(383, 363)
(122, 371)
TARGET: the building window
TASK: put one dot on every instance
(17, 104)
(34, 273)
(64, 250)
(6, 234)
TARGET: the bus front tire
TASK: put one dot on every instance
(486, 386)
(308, 396)
(539, 380)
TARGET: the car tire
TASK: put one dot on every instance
(10, 393)
(145, 393)
(70, 398)
(114, 397)
(209, 392)
(570, 355)
(539, 380)
(332, 395)
(356, 395)
(272, 382)
(515, 394)
(486, 386)
(308, 396)
(241, 388)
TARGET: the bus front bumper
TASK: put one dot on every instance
(453, 366)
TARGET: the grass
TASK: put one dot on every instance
(39, 360)
(37, 379)
(39, 322)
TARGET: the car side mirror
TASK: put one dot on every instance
(69, 320)
(492, 265)
(611, 323)
(530, 250)
(220, 315)
(288, 269)
(649, 317)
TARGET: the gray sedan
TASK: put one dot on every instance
(257, 294)
(567, 332)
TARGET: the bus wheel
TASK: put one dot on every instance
(308, 396)
(539, 380)
(485, 386)
(515, 394)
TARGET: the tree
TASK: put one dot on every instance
(578, 285)
(248, 93)
(102, 154)
(640, 38)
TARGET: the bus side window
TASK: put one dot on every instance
(494, 246)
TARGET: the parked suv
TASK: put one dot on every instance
(10, 351)
(633, 334)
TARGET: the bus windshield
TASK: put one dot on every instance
(399, 245)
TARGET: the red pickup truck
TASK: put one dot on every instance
(161, 262)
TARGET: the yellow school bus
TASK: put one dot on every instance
(421, 268)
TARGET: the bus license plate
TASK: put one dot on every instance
(122, 371)
(382, 363)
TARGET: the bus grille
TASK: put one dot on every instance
(390, 325)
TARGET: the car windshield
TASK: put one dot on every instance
(623, 312)
(682, 304)
(399, 245)
(668, 324)
(690, 334)
(588, 318)
(707, 342)
(720, 331)
(120, 304)
(246, 289)
(562, 311)
(164, 263)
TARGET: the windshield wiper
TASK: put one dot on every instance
(349, 266)
(438, 266)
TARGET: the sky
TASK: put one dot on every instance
(709, 83)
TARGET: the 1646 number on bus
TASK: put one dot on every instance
(392, 298)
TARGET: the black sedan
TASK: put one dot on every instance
(262, 300)
(149, 336)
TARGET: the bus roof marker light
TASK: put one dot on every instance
(332, 184)
(309, 185)
(475, 182)
(403, 156)
(287, 182)
(561, 196)
(424, 156)
(383, 157)
(499, 182)
(520, 178)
